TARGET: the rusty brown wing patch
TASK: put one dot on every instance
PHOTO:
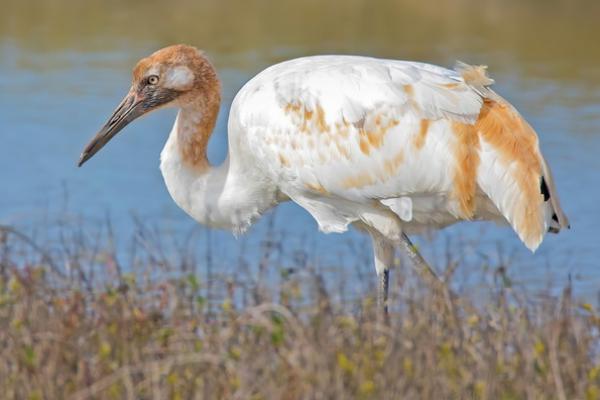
(466, 153)
(515, 141)
(419, 140)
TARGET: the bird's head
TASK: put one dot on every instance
(174, 76)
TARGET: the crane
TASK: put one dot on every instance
(390, 147)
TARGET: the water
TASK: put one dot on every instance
(66, 64)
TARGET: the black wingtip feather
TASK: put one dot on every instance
(544, 190)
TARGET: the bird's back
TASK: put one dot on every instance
(344, 136)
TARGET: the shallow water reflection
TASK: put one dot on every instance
(66, 64)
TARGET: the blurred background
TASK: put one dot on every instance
(66, 64)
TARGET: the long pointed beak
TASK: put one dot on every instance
(130, 108)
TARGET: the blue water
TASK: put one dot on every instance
(51, 103)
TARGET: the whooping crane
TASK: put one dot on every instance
(392, 147)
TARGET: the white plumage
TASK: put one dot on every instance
(343, 136)
(390, 146)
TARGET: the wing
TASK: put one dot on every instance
(407, 135)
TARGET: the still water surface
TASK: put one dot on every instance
(65, 65)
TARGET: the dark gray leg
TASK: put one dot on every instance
(416, 258)
(382, 292)
(383, 255)
(429, 274)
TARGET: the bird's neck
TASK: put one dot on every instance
(195, 123)
(224, 196)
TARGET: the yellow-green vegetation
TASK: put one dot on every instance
(157, 335)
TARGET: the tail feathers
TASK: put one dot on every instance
(514, 174)
(556, 218)
(531, 212)
(512, 171)
(517, 200)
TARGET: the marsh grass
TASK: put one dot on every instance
(76, 323)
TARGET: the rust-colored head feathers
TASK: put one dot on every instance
(181, 68)
(179, 76)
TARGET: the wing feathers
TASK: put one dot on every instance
(364, 130)
(512, 171)
(558, 215)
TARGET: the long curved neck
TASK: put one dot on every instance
(221, 197)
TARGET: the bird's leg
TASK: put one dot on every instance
(382, 291)
(383, 251)
(416, 258)
(429, 274)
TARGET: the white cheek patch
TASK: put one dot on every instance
(180, 78)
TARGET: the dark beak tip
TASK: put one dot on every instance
(127, 111)
(82, 159)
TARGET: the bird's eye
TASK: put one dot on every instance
(152, 80)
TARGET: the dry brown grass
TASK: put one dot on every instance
(72, 334)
